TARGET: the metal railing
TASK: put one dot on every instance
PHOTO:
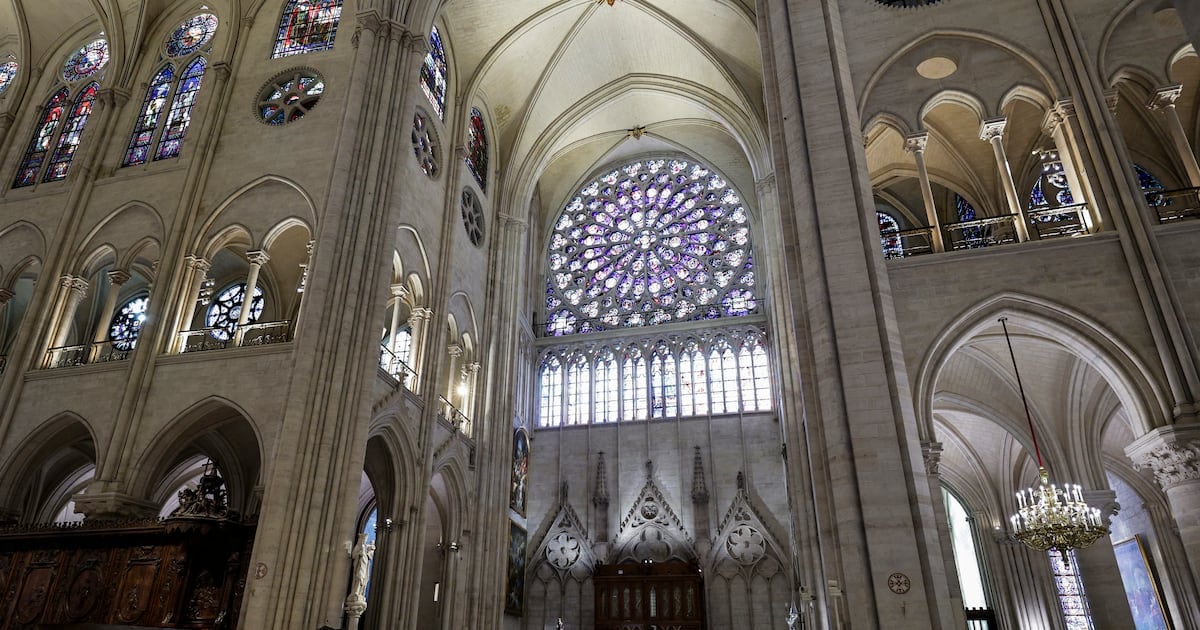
(397, 368)
(448, 412)
(258, 334)
(1060, 221)
(913, 242)
(1174, 205)
(985, 232)
(92, 353)
(981, 619)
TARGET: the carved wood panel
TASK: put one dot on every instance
(657, 596)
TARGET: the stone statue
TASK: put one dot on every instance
(361, 558)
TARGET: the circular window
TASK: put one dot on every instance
(224, 312)
(290, 96)
(127, 323)
(86, 61)
(8, 71)
(425, 145)
(193, 34)
(472, 216)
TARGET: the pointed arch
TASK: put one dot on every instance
(179, 118)
(435, 73)
(153, 107)
(307, 26)
(72, 133)
(43, 136)
(50, 453)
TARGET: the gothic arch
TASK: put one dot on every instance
(266, 215)
(1125, 373)
(43, 459)
(21, 243)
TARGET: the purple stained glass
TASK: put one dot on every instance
(651, 242)
(147, 122)
(43, 136)
(68, 141)
(477, 149)
(180, 116)
(307, 26)
(8, 71)
(86, 61)
(192, 35)
(435, 73)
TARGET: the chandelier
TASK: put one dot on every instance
(1048, 516)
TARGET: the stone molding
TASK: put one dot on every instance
(257, 257)
(916, 142)
(931, 452)
(1171, 453)
(992, 129)
(1164, 97)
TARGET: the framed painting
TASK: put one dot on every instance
(514, 591)
(1140, 586)
(518, 487)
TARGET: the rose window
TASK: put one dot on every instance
(472, 216)
(290, 96)
(652, 242)
(425, 145)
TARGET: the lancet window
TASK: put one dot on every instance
(177, 83)
(307, 26)
(8, 72)
(435, 73)
(63, 120)
(477, 148)
(889, 235)
(725, 372)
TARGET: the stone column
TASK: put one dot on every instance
(992, 131)
(76, 289)
(470, 378)
(201, 293)
(455, 352)
(1100, 573)
(931, 452)
(418, 322)
(116, 278)
(1060, 123)
(399, 292)
(1172, 453)
(257, 259)
(914, 145)
(1163, 102)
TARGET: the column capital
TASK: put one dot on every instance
(118, 277)
(471, 369)
(509, 222)
(113, 97)
(257, 257)
(932, 453)
(1171, 453)
(223, 70)
(399, 291)
(1164, 97)
(454, 350)
(992, 129)
(420, 314)
(5, 295)
(916, 142)
(1105, 501)
(74, 284)
(1111, 98)
(198, 264)
(1058, 114)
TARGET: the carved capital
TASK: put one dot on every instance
(399, 291)
(113, 97)
(196, 263)
(415, 43)
(75, 284)
(257, 257)
(420, 314)
(1164, 97)
(916, 142)
(1061, 112)
(371, 21)
(992, 129)
(931, 452)
(1105, 501)
(454, 350)
(223, 70)
(1111, 98)
(5, 295)
(471, 369)
(1171, 453)
(118, 277)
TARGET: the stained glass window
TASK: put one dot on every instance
(370, 531)
(643, 380)
(147, 122)
(889, 236)
(1051, 189)
(975, 236)
(86, 61)
(192, 35)
(8, 72)
(1071, 596)
(477, 149)
(434, 74)
(472, 217)
(307, 26)
(68, 141)
(223, 313)
(127, 323)
(652, 242)
(425, 145)
(43, 136)
(180, 116)
(289, 97)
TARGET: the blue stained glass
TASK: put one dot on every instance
(435, 73)
(1037, 199)
(223, 313)
(477, 149)
(86, 61)
(43, 136)
(966, 212)
(127, 323)
(307, 26)
(180, 116)
(369, 529)
(1146, 180)
(192, 35)
(147, 122)
(972, 236)
(889, 235)
(68, 141)
(8, 71)
(652, 256)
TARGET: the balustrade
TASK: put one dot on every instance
(102, 352)
(1060, 221)
(916, 241)
(457, 419)
(985, 232)
(257, 334)
(396, 367)
(1174, 205)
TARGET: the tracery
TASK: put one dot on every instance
(226, 308)
(307, 26)
(8, 72)
(127, 323)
